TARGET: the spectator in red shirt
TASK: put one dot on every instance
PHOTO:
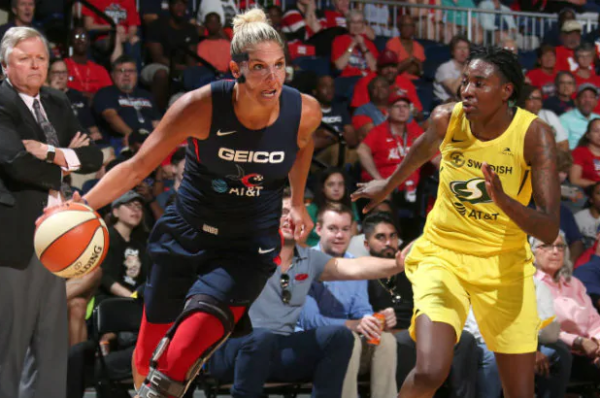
(544, 75)
(585, 73)
(353, 53)
(123, 12)
(585, 171)
(387, 67)
(387, 144)
(84, 75)
(410, 53)
(302, 21)
(571, 39)
(372, 113)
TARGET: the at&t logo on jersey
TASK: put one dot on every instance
(235, 155)
(472, 191)
(252, 184)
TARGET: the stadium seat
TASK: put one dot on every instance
(425, 94)
(380, 42)
(319, 65)
(435, 56)
(527, 59)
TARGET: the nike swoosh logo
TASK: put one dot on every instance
(453, 140)
(265, 251)
(221, 134)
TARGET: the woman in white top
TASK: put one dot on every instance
(531, 100)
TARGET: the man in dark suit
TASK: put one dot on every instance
(39, 143)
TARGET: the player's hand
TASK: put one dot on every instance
(369, 327)
(375, 190)
(542, 364)
(493, 185)
(76, 198)
(390, 318)
(79, 140)
(400, 257)
(36, 148)
(301, 221)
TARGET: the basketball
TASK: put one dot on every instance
(71, 240)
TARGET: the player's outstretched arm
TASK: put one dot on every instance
(363, 268)
(309, 121)
(189, 116)
(540, 152)
(423, 149)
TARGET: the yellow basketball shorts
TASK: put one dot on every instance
(500, 288)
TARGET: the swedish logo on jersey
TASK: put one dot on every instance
(471, 191)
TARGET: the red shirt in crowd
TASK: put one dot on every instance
(332, 19)
(565, 59)
(293, 22)
(594, 79)
(357, 65)
(404, 86)
(543, 81)
(87, 78)
(388, 150)
(123, 12)
(589, 163)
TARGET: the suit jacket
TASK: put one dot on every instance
(26, 180)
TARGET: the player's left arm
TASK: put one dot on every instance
(540, 152)
(309, 121)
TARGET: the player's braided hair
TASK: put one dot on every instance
(506, 63)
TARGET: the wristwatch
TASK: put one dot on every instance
(50, 154)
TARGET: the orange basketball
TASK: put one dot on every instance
(71, 240)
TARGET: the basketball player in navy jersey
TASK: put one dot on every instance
(215, 248)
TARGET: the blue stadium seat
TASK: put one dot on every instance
(344, 88)
(380, 42)
(435, 56)
(527, 59)
(319, 65)
(425, 94)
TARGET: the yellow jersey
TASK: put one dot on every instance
(464, 217)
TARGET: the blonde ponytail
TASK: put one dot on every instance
(250, 28)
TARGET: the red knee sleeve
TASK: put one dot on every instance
(148, 339)
(192, 338)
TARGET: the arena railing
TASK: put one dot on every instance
(440, 23)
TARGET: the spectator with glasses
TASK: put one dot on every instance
(562, 101)
(273, 352)
(58, 77)
(346, 303)
(123, 107)
(579, 320)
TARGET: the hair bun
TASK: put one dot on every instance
(256, 15)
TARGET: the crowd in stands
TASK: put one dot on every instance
(376, 84)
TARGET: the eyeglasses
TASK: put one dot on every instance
(126, 71)
(59, 73)
(134, 205)
(560, 247)
(535, 98)
(80, 36)
(286, 294)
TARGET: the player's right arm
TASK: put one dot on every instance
(189, 116)
(424, 148)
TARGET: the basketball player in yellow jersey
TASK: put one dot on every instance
(474, 249)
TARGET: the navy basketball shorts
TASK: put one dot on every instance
(187, 261)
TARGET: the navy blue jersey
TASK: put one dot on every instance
(234, 179)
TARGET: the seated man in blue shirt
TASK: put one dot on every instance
(123, 107)
(273, 351)
(346, 303)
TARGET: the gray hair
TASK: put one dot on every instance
(13, 37)
(352, 13)
(566, 271)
